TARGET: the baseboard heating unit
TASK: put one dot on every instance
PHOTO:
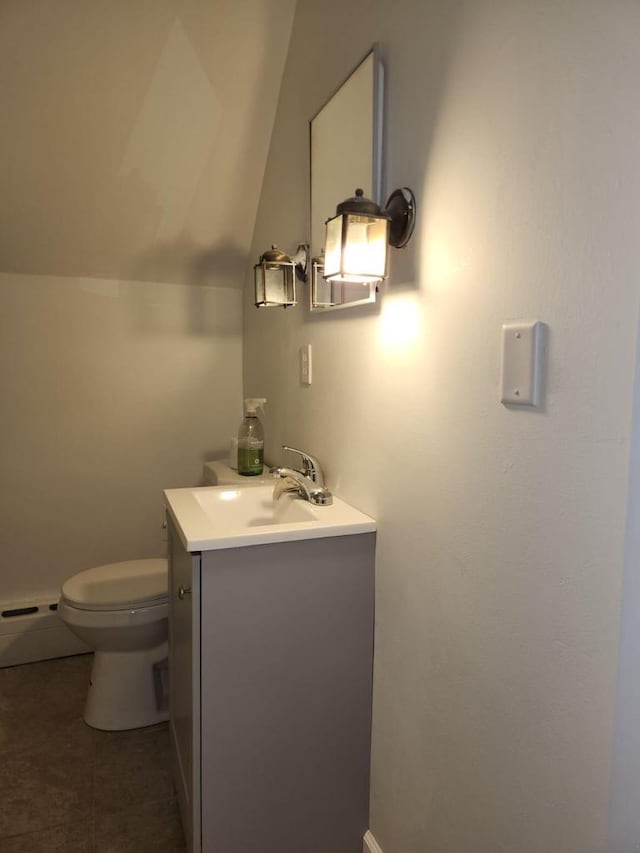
(32, 631)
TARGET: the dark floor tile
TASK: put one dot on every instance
(59, 777)
(71, 838)
(132, 768)
(51, 687)
(46, 772)
(147, 828)
(44, 701)
(103, 739)
(44, 788)
(46, 736)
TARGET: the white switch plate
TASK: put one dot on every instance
(305, 364)
(522, 362)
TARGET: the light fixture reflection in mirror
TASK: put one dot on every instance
(337, 294)
(320, 291)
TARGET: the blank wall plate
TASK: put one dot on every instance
(305, 364)
(522, 362)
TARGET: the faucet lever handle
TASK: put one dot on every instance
(310, 465)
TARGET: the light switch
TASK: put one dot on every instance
(522, 355)
(305, 364)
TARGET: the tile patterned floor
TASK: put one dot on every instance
(67, 788)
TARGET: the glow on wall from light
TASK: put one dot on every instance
(400, 323)
(443, 263)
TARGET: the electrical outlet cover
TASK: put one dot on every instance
(522, 354)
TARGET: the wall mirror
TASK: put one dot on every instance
(346, 152)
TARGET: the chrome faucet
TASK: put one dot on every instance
(310, 465)
(308, 483)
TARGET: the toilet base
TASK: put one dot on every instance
(122, 690)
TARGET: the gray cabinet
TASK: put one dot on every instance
(184, 683)
(274, 648)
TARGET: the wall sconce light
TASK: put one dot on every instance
(358, 236)
(275, 276)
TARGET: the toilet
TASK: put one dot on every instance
(121, 611)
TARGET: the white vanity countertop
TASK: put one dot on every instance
(230, 516)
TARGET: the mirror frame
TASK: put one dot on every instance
(336, 293)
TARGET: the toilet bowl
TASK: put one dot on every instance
(121, 611)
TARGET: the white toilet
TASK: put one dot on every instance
(121, 611)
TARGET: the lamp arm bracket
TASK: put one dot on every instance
(301, 261)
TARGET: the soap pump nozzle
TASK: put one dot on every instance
(252, 405)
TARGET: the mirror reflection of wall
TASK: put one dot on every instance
(346, 153)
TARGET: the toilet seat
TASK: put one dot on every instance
(128, 585)
(130, 617)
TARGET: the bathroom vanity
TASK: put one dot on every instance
(271, 647)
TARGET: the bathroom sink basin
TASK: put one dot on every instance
(228, 517)
(251, 507)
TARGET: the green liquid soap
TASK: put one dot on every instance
(250, 461)
(251, 439)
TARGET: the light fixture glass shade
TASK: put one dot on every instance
(356, 248)
(274, 280)
(333, 247)
(356, 242)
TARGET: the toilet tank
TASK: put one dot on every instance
(217, 472)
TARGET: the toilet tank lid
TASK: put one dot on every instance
(217, 472)
(117, 586)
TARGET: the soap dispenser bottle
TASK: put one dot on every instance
(251, 439)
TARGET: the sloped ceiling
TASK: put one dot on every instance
(135, 134)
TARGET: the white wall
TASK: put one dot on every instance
(501, 532)
(135, 134)
(112, 391)
(133, 147)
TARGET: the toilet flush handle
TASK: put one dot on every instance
(182, 591)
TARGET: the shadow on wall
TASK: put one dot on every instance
(182, 260)
(415, 102)
(208, 303)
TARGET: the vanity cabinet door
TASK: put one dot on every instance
(287, 658)
(184, 683)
